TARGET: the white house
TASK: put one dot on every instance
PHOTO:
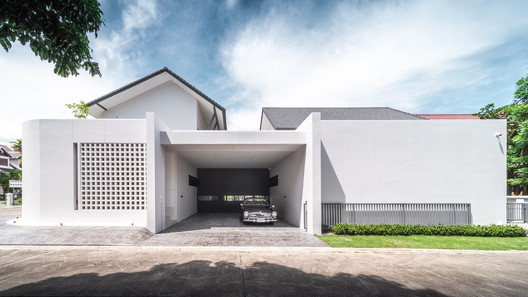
(159, 151)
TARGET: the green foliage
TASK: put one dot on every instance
(57, 31)
(427, 242)
(441, 230)
(17, 144)
(4, 181)
(79, 110)
(15, 174)
(517, 116)
(521, 92)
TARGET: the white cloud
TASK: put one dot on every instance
(30, 89)
(122, 52)
(384, 54)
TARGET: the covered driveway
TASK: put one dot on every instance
(224, 229)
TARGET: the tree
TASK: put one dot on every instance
(15, 174)
(57, 31)
(79, 110)
(517, 116)
(521, 93)
(4, 181)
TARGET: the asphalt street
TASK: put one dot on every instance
(247, 271)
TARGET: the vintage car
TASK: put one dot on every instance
(257, 210)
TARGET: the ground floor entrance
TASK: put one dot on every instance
(221, 190)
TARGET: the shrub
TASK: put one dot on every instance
(441, 230)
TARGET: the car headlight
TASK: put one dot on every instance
(246, 214)
(274, 214)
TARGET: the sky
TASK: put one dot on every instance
(416, 56)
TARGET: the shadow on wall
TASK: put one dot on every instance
(331, 189)
(205, 278)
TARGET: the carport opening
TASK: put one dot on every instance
(221, 190)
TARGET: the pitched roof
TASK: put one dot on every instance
(98, 102)
(8, 151)
(291, 117)
(449, 116)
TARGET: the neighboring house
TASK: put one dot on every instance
(154, 156)
(465, 116)
(9, 159)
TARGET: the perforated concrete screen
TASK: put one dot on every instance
(112, 176)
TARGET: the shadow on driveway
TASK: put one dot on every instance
(205, 278)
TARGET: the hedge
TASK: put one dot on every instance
(441, 230)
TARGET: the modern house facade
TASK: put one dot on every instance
(159, 151)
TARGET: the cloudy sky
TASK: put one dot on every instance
(417, 56)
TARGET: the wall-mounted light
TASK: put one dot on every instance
(498, 134)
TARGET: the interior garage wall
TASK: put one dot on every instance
(417, 162)
(185, 194)
(234, 181)
(287, 196)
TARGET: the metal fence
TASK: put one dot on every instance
(403, 213)
(516, 212)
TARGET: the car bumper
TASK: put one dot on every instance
(259, 220)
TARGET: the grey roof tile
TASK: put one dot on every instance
(292, 117)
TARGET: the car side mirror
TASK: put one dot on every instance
(273, 207)
(242, 205)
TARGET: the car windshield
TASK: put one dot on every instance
(255, 202)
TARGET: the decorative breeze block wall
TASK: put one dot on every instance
(112, 176)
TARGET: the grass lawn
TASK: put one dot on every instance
(16, 202)
(427, 242)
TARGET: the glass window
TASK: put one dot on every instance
(207, 198)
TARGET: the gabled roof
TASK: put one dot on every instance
(291, 117)
(7, 151)
(449, 116)
(101, 104)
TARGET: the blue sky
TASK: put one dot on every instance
(417, 56)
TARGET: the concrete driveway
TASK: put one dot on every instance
(197, 230)
(250, 271)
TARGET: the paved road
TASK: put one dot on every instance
(243, 271)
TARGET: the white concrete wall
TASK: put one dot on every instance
(265, 124)
(201, 120)
(155, 173)
(49, 170)
(288, 195)
(180, 198)
(445, 161)
(186, 196)
(176, 107)
(312, 171)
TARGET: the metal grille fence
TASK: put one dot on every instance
(390, 213)
(516, 212)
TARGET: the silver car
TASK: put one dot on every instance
(257, 210)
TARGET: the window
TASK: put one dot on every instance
(207, 198)
(230, 198)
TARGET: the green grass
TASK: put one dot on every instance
(427, 242)
(16, 202)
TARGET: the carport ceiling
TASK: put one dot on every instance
(233, 156)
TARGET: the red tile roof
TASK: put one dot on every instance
(449, 116)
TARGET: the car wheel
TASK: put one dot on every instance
(271, 223)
